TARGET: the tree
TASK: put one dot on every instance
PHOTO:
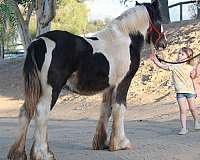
(71, 16)
(20, 21)
(45, 11)
(7, 26)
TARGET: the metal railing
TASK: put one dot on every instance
(181, 7)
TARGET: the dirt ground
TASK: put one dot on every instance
(152, 124)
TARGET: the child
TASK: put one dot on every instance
(184, 87)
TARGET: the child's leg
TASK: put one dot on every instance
(183, 111)
(193, 108)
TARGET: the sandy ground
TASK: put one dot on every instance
(151, 124)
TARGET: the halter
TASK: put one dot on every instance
(153, 28)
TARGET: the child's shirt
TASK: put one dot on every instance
(181, 77)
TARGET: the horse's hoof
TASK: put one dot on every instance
(99, 142)
(17, 155)
(41, 155)
(116, 144)
(51, 155)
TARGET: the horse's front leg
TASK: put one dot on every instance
(40, 149)
(17, 150)
(100, 137)
(118, 138)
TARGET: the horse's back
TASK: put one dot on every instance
(72, 56)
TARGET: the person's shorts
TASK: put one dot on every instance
(185, 95)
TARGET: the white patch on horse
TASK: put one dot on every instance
(114, 52)
(118, 113)
(72, 82)
(121, 109)
(161, 29)
(114, 41)
(43, 107)
(41, 120)
(50, 45)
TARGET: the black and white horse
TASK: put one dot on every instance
(106, 62)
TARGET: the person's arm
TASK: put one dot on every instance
(196, 87)
(196, 71)
(157, 62)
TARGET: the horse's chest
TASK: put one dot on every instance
(119, 60)
(118, 55)
(107, 65)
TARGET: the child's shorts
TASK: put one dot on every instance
(185, 95)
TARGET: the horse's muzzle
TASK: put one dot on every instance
(161, 45)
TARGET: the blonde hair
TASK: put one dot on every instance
(189, 52)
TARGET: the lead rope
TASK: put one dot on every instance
(162, 60)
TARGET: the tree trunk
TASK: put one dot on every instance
(22, 25)
(45, 12)
(164, 11)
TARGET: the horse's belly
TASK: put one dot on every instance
(88, 84)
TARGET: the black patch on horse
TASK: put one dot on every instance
(38, 50)
(93, 73)
(137, 41)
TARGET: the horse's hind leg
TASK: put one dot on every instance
(40, 149)
(100, 137)
(17, 150)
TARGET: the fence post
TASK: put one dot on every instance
(181, 11)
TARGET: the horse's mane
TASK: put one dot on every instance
(131, 21)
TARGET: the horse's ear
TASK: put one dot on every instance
(136, 3)
(155, 3)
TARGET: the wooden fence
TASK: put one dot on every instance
(181, 7)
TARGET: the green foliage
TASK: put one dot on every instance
(8, 23)
(32, 26)
(71, 16)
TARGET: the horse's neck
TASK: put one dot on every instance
(133, 21)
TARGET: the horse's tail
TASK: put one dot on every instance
(32, 84)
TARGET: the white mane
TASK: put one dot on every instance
(133, 20)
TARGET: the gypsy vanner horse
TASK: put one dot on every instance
(106, 62)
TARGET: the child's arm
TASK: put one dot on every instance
(196, 71)
(157, 62)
